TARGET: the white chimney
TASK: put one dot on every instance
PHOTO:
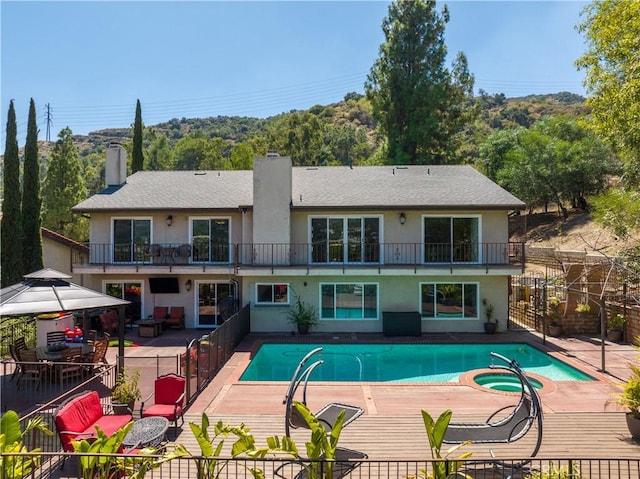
(115, 167)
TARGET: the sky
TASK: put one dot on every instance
(85, 63)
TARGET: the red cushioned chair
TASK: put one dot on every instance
(160, 312)
(176, 317)
(169, 399)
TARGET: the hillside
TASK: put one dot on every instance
(496, 112)
(578, 233)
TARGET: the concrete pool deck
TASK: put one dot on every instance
(227, 395)
(578, 422)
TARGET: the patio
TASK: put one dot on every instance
(578, 421)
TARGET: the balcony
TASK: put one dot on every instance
(304, 255)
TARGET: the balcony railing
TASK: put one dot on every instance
(306, 254)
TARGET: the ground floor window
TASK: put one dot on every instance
(267, 293)
(129, 291)
(449, 300)
(349, 301)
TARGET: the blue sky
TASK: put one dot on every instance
(90, 61)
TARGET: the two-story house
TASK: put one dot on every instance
(354, 242)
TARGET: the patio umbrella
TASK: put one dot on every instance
(49, 291)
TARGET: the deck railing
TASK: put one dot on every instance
(305, 254)
(237, 468)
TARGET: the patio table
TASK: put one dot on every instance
(44, 354)
(148, 431)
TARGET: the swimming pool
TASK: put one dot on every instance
(401, 362)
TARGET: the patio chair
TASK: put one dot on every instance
(515, 425)
(160, 312)
(20, 343)
(30, 368)
(70, 365)
(97, 358)
(326, 415)
(55, 337)
(109, 322)
(345, 461)
(16, 360)
(176, 317)
(169, 399)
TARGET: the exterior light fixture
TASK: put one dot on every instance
(169, 220)
(403, 218)
(187, 285)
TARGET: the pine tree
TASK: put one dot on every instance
(11, 236)
(137, 157)
(64, 187)
(31, 198)
(419, 104)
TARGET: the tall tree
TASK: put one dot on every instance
(419, 104)
(137, 156)
(11, 237)
(64, 187)
(612, 67)
(31, 198)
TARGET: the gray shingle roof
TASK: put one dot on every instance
(452, 186)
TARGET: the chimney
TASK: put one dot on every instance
(271, 199)
(115, 167)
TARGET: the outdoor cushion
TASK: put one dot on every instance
(168, 411)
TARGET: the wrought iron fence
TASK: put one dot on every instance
(238, 468)
(12, 328)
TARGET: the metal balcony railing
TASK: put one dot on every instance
(306, 254)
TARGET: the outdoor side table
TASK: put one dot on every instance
(148, 431)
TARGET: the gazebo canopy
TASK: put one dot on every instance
(49, 291)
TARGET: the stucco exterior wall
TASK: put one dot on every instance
(395, 293)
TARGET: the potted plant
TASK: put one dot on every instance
(555, 324)
(302, 315)
(126, 391)
(615, 327)
(490, 325)
(583, 308)
(629, 398)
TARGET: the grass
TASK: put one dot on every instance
(114, 343)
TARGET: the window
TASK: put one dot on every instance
(349, 301)
(449, 300)
(129, 291)
(451, 239)
(345, 240)
(211, 240)
(272, 293)
(131, 239)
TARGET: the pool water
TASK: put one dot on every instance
(504, 382)
(401, 362)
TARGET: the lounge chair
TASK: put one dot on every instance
(328, 414)
(525, 414)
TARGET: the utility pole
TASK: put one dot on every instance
(48, 120)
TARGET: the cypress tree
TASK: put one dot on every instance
(11, 236)
(137, 160)
(31, 198)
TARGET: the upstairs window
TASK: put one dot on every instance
(345, 240)
(131, 239)
(451, 239)
(211, 238)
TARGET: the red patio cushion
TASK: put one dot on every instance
(163, 410)
(80, 415)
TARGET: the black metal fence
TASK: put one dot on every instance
(227, 468)
(12, 328)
